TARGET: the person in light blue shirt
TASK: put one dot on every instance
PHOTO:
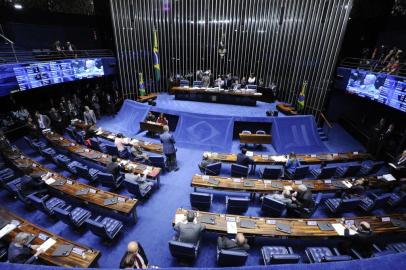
(169, 149)
(292, 162)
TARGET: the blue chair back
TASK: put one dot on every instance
(63, 215)
(300, 172)
(157, 161)
(231, 258)
(197, 83)
(375, 167)
(273, 207)
(112, 150)
(183, 250)
(213, 169)
(327, 172)
(382, 199)
(237, 204)
(239, 170)
(349, 204)
(134, 188)
(184, 83)
(272, 172)
(201, 201)
(83, 172)
(352, 170)
(107, 180)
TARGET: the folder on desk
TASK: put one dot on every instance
(339, 184)
(248, 184)
(398, 223)
(110, 201)
(309, 185)
(283, 227)
(82, 191)
(213, 181)
(47, 244)
(6, 229)
(249, 224)
(276, 185)
(78, 151)
(231, 227)
(208, 219)
(59, 182)
(325, 226)
(63, 251)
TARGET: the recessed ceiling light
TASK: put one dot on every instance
(18, 6)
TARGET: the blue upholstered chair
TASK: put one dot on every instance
(231, 257)
(112, 150)
(87, 173)
(324, 254)
(271, 172)
(35, 144)
(107, 228)
(237, 204)
(398, 247)
(184, 83)
(201, 201)
(6, 175)
(279, 255)
(324, 173)
(348, 171)
(183, 250)
(239, 170)
(48, 153)
(336, 205)
(61, 160)
(197, 83)
(307, 212)
(273, 207)
(157, 161)
(98, 146)
(213, 169)
(139, 190)
(108, 180)
(72, 166)
(297, 173)
(45, 203)
(397, 199)
(372, 201)
(14, 184)
(371, 169)
(74, 217)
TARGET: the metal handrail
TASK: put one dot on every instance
(11, 44)
(374, 65)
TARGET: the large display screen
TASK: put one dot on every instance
(34, 75)
(383, 88)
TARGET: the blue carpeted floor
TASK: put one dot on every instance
(154, 228)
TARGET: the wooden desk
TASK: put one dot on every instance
(100, 158)
(147, 146)
(150, 96)
(89, 258)
(255, 138)
(126, 207)
(300, 227)
(152, 127)
(281, 159)
(286, 109)
(266, 186)
(239, 97)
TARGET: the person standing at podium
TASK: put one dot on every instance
(168, 142)
(162, 120)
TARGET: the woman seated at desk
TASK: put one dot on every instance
(292, 162)
(162, 120)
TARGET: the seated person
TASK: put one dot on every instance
(292, 162)
(243, 159)
(302, 198)
(30, 185)
(114, 167)
(20, 252)
(285, 197)
(120, 142)
(237, 244)
(189, 232)
(138, 154)
(150, 117)
(134, 258)
(162, 120)
(400, 161)
(358, 188)
(362, 241)
(141, 180)
(205, 162)
(88, 135)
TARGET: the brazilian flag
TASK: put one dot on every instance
(141, 85)
(157, 68)
(301, 98)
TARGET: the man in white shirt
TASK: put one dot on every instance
(119, 142)
(89, 116)
(43, 121)
(251, 79)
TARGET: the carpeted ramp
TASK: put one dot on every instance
(296, 134)
(205, 132)
(127, 119)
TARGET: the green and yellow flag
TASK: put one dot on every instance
(301, 98)
(157, 68)
(141, 85)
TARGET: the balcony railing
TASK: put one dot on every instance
(371, 65)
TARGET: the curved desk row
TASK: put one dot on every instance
(147, 146)
(101, 158)
(125, 206)
(81, 256)
(280, 227)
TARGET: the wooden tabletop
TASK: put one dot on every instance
(286, 109)
(268, 186)
(150, 96)
(147, 146)
(300, 227)
(98, 157)
(152, 126)
(304, 159)
(255, 138)
(74, 259)
(179, 89)
(125, 206)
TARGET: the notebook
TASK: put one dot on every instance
(59, 182)
(248, 184)
(82, 191)
(249, 224)
(325, 226)
(47, 244)
(283, 227)
(208, 220)
(309, 185)
(398, 223)
(276, 185)
(110, 201)
(339, 184)
(213, 181)
(63, 251)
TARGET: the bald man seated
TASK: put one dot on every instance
(239, 243)
(135, 257)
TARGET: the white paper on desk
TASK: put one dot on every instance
(265, 156)
(50, 181)
(388, 177)
(236, 180)
(279, 158)
(339, 228)
(347, 184)
(134, 141)
(268, 182)
(110, 137)
(205, 177)
(250, 154)
(99, 132)
(313, 156)
(6, 229)
(392, 165)
(47, 244)
(232, 227)
(180, 218)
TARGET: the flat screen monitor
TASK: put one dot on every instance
(380, 87)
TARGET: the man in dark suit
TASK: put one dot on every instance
(302, 198)
(56, 120)
(135, 257)
(168, 142)
(243, 159)
(113, 167)
(237, 244)
(189, 232)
